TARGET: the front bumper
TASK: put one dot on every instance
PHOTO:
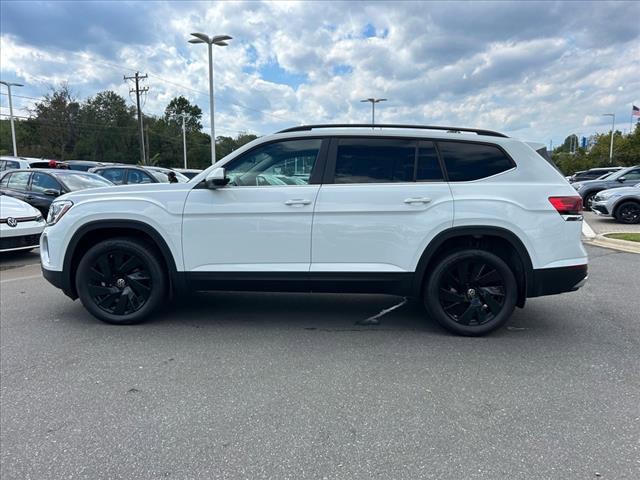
(59, 280)
(600, 208)
(25, 235)
(551, 281)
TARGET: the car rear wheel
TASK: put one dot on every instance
(471, 292)
(628, 212)
(120, 281)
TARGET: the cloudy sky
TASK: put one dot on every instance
(537, 71)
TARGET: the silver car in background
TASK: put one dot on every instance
(623, 204)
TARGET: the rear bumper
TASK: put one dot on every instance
(551, 281)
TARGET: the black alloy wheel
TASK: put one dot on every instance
(120, 281)
(628, 212)
(588, 201)
(471, 292)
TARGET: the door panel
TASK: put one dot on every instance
(376, 217)
(260, 221)
(249, 228)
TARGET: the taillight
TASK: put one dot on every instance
(567, 205)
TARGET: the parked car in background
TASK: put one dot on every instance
(133, 174)
(188, 172)
(621, 178)
(592, 173)
(39, 188)
(20, 225)
(13, 163)
(623, 204)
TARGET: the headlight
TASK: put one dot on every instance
(607, 196)
(57, 210)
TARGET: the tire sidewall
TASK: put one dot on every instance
(432, 295)
(144, 253)
(619, 209)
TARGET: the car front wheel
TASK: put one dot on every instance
(471, 292)
(588, 201)
(628, 212)
(121, 281)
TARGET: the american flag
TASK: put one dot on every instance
(635, 111)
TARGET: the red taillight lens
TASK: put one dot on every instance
(567, 205)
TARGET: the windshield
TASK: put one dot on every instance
(81, 181)
(605, 176)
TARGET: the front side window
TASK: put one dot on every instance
(42, 182)
(375, 160)
(5, 181)
(472, 161)
(137, 176)
(114, 175)
(19, 180)
(632, 175)
(289, 162)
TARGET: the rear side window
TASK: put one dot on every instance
(42, 182)
(136, 176)
(472, 161)
(19, 180)
(374, 160)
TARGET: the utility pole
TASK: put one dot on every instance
(184, 141)
(613, 127)
(13, 129)
(137, 90)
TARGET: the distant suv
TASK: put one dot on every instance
(588, 189)
(592, 173)
(470, 221)
(132, 174)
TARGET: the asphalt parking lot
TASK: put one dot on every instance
(237, 385)
(602, 224)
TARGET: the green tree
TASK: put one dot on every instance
(57, 117)
(180, 106)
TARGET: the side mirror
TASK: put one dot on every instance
(217, 178)
(51, 192)
(621, 179)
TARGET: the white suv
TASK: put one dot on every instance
(470, 221)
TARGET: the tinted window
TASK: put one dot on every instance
(41, 182)
(11, 164)
(471, 161)
(276, 164)
(375, 160)
(19, 180)
(114, 175)
(138, 176)
(5, 181)
(428, 168)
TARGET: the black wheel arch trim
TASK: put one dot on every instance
(68, 285)
(466, 231)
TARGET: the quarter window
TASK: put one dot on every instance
(19, 180)
(472, 161)
(374, 160)
(275, 164)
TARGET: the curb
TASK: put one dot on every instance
(613, 243)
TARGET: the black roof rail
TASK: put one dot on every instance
(303, 128)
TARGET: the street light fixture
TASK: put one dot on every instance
(613, 127)
(373, 107)
(219, 40)
(13, 129)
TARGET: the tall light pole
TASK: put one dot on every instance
(13, 128)
(373, 107)
(613, 127)
(184, 141)
(219, 40)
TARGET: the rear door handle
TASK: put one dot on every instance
(29, 197)
(417, 200)
(297, 201)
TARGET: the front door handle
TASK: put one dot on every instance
(297, 201)
(417, 200)
(29, 197)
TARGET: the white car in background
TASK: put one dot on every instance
(20, 225)
(623, 204)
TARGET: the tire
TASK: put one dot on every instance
(471, 292)
(628, 212)
(588, 199)
(121, 281)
